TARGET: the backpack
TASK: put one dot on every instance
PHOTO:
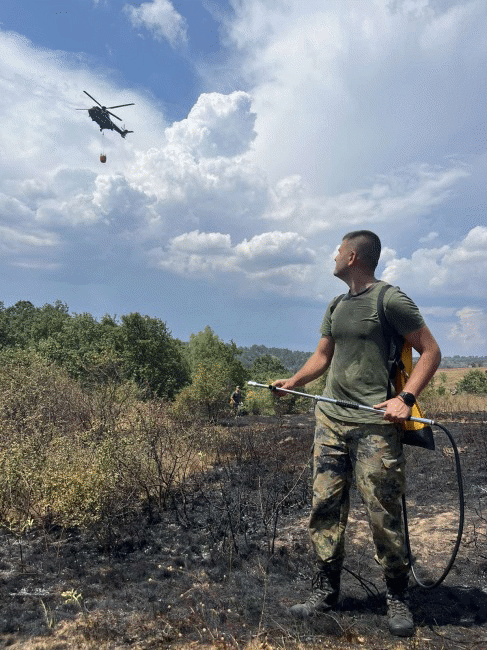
(400, 366)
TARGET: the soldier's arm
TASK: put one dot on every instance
(430, 356)
(313, 368)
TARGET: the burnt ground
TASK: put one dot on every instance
(230, 553)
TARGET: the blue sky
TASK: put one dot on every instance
(263, 131)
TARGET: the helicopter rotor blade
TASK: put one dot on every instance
(120, 105)
(82, 109)
(113, 115)
(92, 98)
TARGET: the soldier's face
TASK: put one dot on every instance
(342, 258)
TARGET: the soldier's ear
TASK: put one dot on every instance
(352, 257)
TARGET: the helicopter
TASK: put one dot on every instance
(100, 115)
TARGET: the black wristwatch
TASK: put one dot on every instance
(407, 398)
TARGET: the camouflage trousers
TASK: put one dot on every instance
(374, 453)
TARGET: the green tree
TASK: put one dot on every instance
(151, 357)
(22, 325)
(266, 368)
(209, 392)
(16, 323)
(215, 371)
(87, 349)
(206, 349)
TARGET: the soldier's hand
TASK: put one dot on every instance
(395, 410)
(282, 383)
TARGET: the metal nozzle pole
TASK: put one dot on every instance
(338, 402)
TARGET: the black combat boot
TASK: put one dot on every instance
(399, 618)
(325, 589)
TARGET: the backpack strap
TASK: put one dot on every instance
(335, 303)
(394, 339)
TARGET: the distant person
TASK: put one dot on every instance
(236, 399)
(355, 348)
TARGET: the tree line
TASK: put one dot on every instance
(136, 348)
(458, 361)
(292, 360)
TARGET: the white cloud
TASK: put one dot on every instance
(407, 194)
(14, 210)
(14, 241)
(274, 249)
(196, 241)
(217, 125)
(195, 254)
(438, 312)
(429, 237)
(469, 333)
(345, 90)
(272, 258)
(450, 270)
(161, 19)
(445, 28)
(184, 199)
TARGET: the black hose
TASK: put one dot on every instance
(461, 518)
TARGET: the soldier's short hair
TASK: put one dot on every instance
(367, 246)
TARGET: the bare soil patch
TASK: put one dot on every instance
(222, 565)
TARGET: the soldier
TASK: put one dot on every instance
(355, 349)
(235, 399)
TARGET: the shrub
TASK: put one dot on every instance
(259, 401)
(93, 459)
(474, 382)
(39, 404)
(209, 393)
(37, 398)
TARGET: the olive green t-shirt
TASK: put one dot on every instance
(358, 371)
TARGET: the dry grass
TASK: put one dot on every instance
(453, 407)
(452, 376)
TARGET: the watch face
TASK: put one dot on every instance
(408, 398)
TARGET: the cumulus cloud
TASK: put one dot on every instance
(193, 189)
(13, 240)
(217, 125)
(344, 90)
(196, 241)
(447, 270)
(166, 181)
(273, 257)
(274, 249)
(161, 19)
(429, 237)
(470, 331)
(200, 178)
(407, 194)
